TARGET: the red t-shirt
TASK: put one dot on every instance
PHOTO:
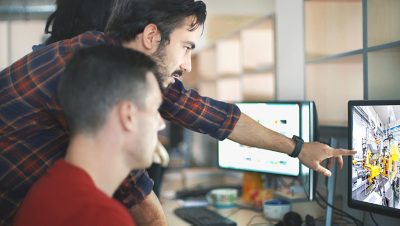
(67, 196)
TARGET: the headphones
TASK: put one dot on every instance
(294, 219)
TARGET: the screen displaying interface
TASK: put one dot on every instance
(375, 135)
(280, 117)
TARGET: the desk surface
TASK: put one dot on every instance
(191, 177)
(240, 216)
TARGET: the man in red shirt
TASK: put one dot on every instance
(110, 97)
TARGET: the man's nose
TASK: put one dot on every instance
(186, 66)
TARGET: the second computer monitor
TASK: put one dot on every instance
(283, 117)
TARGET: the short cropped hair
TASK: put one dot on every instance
(99, 77)
(130, 17)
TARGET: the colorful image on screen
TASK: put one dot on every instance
(375, 166)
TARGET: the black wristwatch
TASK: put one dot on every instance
(299, 144)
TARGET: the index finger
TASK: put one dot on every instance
(338, 152)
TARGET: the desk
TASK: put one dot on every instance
(187, 178)
(240, 216)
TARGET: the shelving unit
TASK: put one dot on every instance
(352, 51)
(239, 66)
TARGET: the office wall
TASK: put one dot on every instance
(290, 49)
(17, 38)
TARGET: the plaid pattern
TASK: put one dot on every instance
(34, 134)
(200, 114)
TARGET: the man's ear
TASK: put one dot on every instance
(151, 37)
(127, 113)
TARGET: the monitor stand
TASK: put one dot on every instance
(331, 187)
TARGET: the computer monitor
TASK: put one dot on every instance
(374, 132)
(309, 133)
(283, 117)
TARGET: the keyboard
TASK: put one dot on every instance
(203, 216)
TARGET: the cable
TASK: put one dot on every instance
(252, 218)
(341, 215)
(339, 211)
(356, 221)
(234, 212)
(373, 219)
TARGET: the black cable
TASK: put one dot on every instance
(340, 214)
(373, 219)
(324, 207)
(356, 221)
(339, 211)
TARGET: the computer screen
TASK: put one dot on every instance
(309, 133)
(282, 117)
(374, 132)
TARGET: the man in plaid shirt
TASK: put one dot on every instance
(33, 131)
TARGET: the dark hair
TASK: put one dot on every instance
(73, 17)
(130, 17)
(99, 77)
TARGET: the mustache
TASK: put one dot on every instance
(177, 74)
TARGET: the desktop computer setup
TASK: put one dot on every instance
(374, 132)
(286, 117)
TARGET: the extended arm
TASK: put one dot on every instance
(251, 133)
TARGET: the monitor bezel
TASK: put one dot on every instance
(309, 181)
(370, 207)
(255, 171)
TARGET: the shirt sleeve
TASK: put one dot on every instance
(134, 188)
(200, 114)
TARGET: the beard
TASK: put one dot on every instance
(160, 57)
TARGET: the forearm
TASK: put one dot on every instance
(251, 133)
(149, 212)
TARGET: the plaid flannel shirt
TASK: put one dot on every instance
(34, 133)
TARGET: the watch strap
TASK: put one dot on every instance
(299, 144)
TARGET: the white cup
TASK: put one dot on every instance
(223, 197)
(275, 209)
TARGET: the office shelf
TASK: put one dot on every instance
(332, 27)
(383, 74)
(239, 66)
(332, 84)
(352, 51)
(383, 21)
